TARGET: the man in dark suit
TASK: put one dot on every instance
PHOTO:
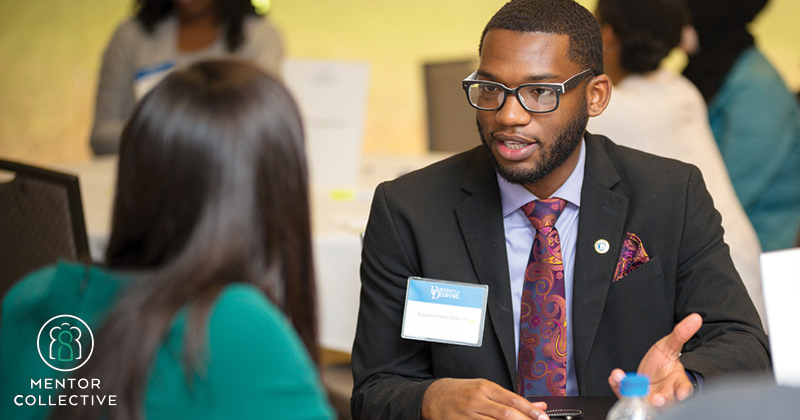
(647, 282)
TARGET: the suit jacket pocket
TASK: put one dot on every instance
(634, 281)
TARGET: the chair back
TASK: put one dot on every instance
(41, 220)
(451, 120)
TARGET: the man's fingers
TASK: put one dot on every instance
(450, 398)
(675, 387)
(662, 397)
(658, 400)
(615, 379)
(532, 410)
(510, 405)
(541, 405)
(684, 390)
(682, 333)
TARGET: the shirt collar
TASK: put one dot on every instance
(514, 196)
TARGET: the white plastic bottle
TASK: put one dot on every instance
(633, 403)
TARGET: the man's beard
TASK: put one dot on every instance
(551, 158)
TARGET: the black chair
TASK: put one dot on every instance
(41, 220)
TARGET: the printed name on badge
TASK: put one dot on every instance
(444, 311)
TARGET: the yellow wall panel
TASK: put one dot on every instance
(50, 54)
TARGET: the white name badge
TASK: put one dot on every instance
(444, 311)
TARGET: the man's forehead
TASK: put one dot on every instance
(505, 40)
(540, 55)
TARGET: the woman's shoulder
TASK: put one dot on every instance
(130, 29)
(258, 25)
(243, 314)
(753, 71)
(241, 299)
(35, 285)
(131, 33)
(60, 284)
(263, 43)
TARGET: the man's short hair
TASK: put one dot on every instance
(563, 17)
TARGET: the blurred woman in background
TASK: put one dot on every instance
(169, 34)
(754, 117)
(209, 266)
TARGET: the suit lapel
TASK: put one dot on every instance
(480, 217)
(602, 216)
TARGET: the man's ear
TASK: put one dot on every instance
(598, 93)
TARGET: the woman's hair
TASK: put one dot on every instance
(231, 12)
(647, 29)
(212, 190)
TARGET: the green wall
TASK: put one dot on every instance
(50, 54)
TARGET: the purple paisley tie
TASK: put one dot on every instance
(542, 359)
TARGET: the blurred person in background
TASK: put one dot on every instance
(755, 397)
(166, 35)
(659, 111)
(754, 117)
(209, 267)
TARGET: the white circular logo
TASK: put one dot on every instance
(601, 246)
(67, 343)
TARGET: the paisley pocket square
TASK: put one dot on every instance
(633, 255)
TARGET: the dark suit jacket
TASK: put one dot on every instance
(445, 222)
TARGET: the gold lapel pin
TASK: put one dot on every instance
(601, 246)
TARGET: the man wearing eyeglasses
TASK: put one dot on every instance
(596, 257)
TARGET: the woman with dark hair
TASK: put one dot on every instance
(168, 34)
(657, 110)
(754, 116)
(209, 267)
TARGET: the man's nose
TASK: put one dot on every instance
(512, 113)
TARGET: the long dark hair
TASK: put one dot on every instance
(232, 13)
(212, 190)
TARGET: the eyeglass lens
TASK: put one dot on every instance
(534, 98)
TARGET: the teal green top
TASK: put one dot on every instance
(756, 122)
(256, 365)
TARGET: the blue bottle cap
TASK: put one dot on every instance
(635, 385)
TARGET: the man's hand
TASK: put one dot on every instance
(477, 399)
(668, 380)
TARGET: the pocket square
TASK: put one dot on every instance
(633, 255)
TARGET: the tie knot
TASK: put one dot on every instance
(544, 213)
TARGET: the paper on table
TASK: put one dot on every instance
(780, 278)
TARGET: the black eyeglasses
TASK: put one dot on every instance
(534, 97)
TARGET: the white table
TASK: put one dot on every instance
(338, 218)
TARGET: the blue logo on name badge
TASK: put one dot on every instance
(446, 293)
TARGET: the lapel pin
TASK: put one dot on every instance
(601, 246)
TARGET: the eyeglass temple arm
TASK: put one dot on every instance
(574, 80)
